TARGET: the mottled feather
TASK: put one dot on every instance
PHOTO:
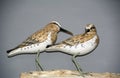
(80, 38)
(41, 35)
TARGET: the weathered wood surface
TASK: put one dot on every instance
(66, 74)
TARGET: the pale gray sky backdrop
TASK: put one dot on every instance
(20, 18)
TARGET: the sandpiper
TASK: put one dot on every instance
(80, 44)
(39, 40)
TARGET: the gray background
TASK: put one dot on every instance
(20, 18)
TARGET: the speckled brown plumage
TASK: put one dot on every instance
(39, 40)
(41, 35)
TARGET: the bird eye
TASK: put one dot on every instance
(87, 30)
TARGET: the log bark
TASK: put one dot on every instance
(66, 74)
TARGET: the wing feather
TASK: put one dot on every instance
(73, 40)
(37, 37)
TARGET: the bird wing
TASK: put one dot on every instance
(37, 37)
(73, 40)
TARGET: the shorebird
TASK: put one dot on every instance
(80, 44)
(39, 40)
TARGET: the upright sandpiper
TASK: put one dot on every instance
(80, 44)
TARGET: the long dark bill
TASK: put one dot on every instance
(66, 31)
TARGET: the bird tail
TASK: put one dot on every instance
(8, 51)
(13, 52)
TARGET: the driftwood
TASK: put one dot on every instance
(66, 74)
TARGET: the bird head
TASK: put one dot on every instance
(90, 28)
(55, 26)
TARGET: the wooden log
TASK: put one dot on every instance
(66, 74)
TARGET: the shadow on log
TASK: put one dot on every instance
(66, 74)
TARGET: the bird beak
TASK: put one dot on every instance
(87, 30)
(66, 31)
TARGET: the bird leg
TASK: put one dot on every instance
(77, 65)
(37, 62)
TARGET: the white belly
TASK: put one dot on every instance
(34, 48)
(79, 49)
(38, 47)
